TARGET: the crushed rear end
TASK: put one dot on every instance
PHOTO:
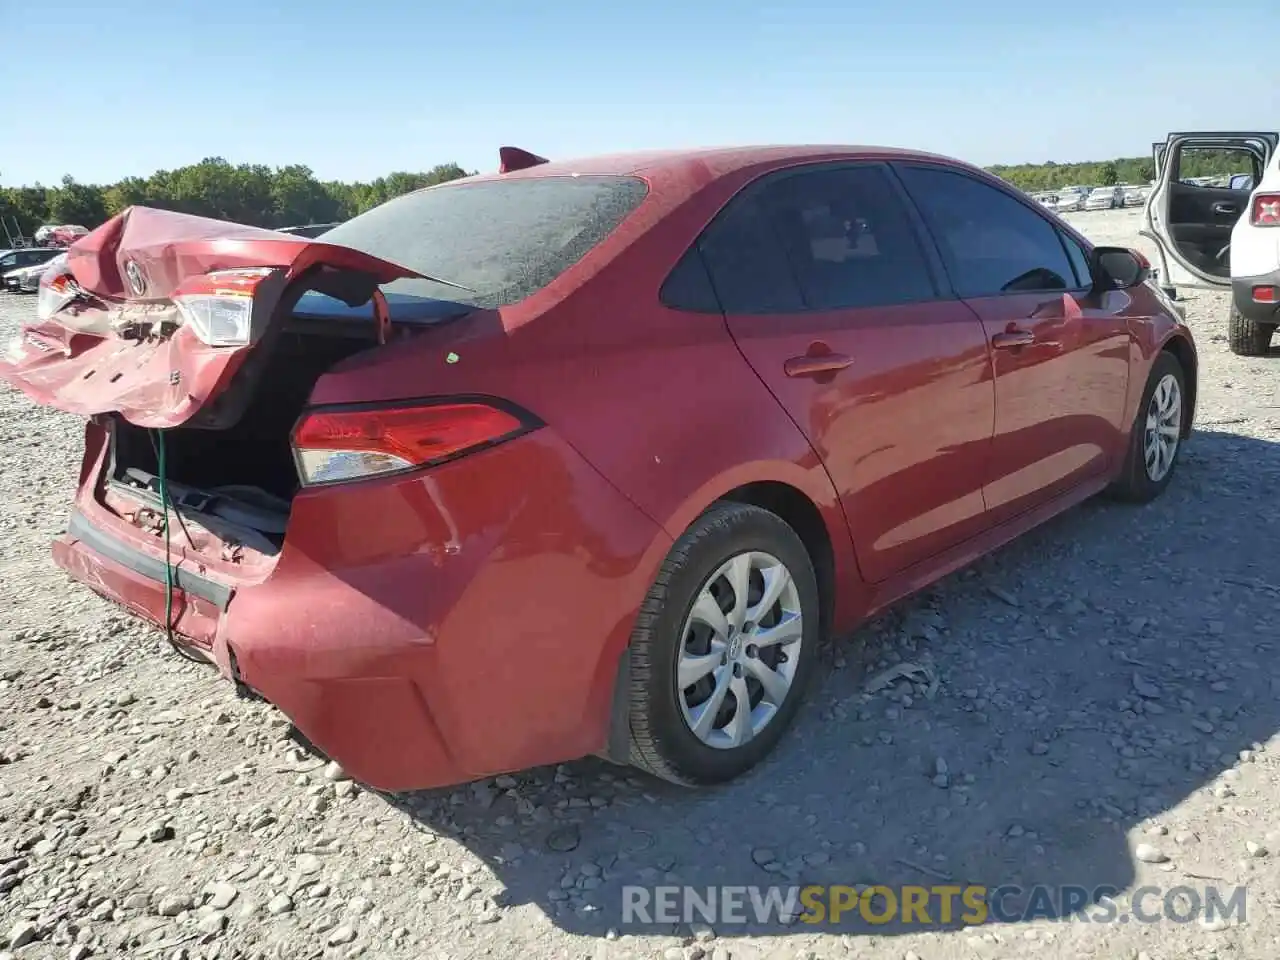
(183, 343)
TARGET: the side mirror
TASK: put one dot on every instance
(1118, 268)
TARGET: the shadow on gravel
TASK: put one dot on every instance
(1093, 675)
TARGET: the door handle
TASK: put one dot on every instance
(1013, 338)
(813, 365)
(1226, 209)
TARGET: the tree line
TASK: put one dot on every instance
(1034, 177)
(264, 196)
(253, 194)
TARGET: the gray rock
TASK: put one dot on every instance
(308, 864)
(1149, 854)
(334, 773)
(173, 905)
(281, 903)
(1145, 688)
(22, 933)
(340, 934)
(213, 922)
(220, 895)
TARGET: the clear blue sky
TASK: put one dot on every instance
(357, 88)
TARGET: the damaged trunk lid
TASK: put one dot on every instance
(155, 314)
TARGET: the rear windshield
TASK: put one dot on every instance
(501, 240)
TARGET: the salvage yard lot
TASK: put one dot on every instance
(1112, 679)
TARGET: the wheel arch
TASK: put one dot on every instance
(803, 516)
(1183, 351)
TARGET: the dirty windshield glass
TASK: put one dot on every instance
(500, 239)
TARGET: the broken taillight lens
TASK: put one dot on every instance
(218, 307)
(337, 445)
(1266, 210)
(56, 290)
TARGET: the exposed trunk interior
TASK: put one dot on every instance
(242, 478)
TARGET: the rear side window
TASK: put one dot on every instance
(991, 243)
(848, 239)
(746, 262)
(499, 241)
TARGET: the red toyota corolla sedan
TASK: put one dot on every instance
(588, 457)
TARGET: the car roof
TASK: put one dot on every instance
(723, 160)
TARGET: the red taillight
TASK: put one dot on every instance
(1266, 210)
(331, 446)
(1264, 294)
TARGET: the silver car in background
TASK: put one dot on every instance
(1104, 198)
(1071, 198)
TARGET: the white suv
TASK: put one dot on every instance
(1223, 237)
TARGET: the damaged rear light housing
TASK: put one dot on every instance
(337, 445)
(218, 307)
(56, 290)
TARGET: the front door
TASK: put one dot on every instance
(1061, 353)
(835, 303)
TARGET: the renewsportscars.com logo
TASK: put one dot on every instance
(940, 905)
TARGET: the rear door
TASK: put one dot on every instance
(843, 313)
(1189, 221)
(1061, 353)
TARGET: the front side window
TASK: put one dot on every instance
(1079, 260)
(991, 243)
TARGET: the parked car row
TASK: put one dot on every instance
(1071, 199)
(21, 269)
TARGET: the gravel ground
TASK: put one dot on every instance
(1106, 714)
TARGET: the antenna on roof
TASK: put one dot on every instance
(513, 158)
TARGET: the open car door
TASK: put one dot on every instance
(1190, 220)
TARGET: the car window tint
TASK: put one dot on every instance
(1079, 260)
(688, 287)
(848, 238)
(991, 243)
(747, 264)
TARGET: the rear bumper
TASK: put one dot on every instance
(422, 631)
(1242, 296)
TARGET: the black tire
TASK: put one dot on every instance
(1248, 338)
(661, 741)
(1135, 484)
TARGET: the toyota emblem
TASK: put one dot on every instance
(137, 281)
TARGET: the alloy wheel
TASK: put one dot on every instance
(1164, 428)
(739, 650)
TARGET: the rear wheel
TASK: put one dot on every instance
(1248, 338)
(1155, 440)
(723, 648)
